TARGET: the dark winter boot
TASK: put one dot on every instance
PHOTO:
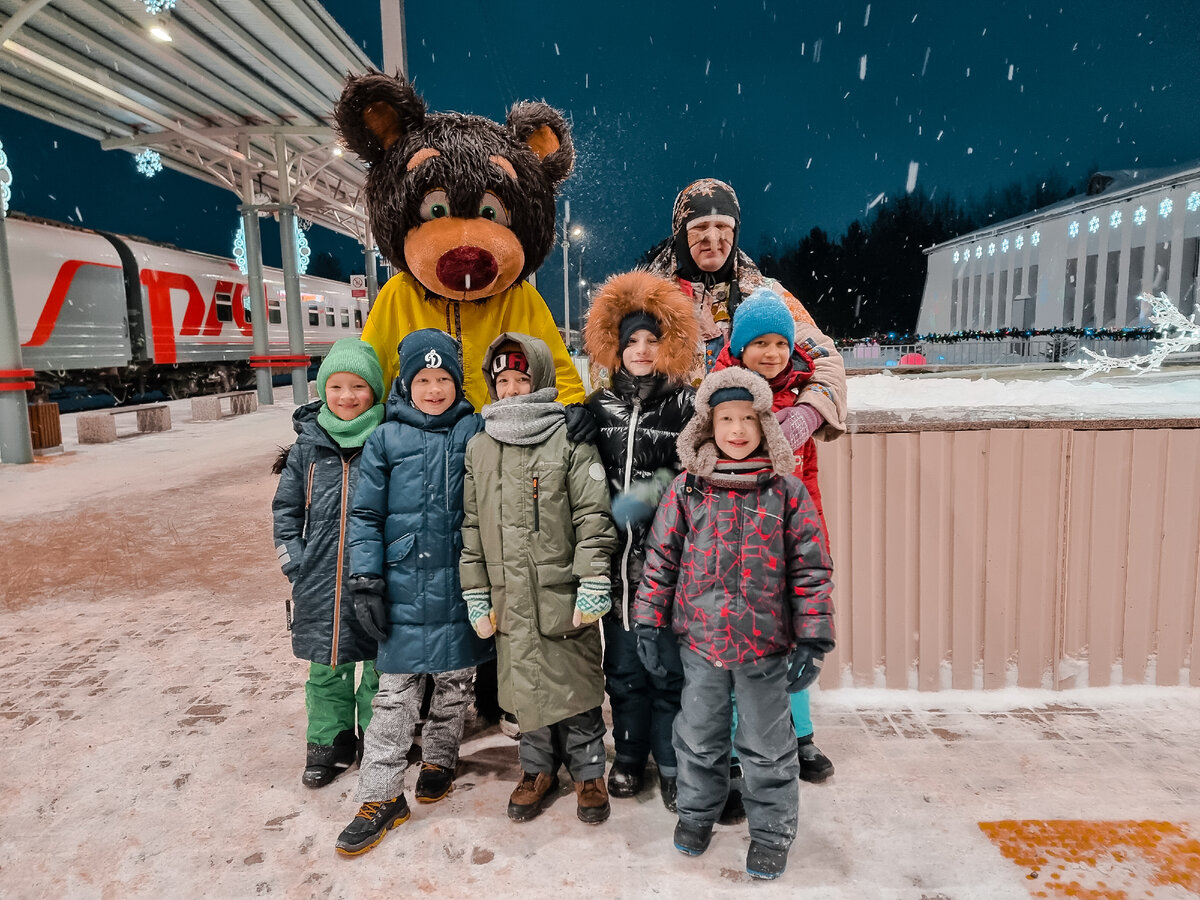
(765, 862)
(692, 840)
(593, 801)
(531, 795)
(371, 824)
(815, 766)
(323, 763)
(668, 788)
(734, 811)
(625, 779)
(434, 782)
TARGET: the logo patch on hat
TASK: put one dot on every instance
(433, 359)
(514, 359)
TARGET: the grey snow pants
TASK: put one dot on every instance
(765, 742)
(396, 710)
(576, 741)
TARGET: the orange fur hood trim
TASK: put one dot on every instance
(640, 291)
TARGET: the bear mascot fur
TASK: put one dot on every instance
(464, 208)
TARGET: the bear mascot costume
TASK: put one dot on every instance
(464, 208)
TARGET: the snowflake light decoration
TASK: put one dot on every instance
(1193, 201)
(1035, 238)
(154, 7)
(992, 249)
(1139, 216)
(979, 252)
(1164, 208)
(1114, 221)
(148, 162)
(955, 257)
(1093, 224)
(1020, 241)
(1004, 246)
(1073, 229)
(5, 183)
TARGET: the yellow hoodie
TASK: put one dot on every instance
(403, 306)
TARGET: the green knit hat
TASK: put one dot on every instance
(352, 355)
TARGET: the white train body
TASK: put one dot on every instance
(89, 301)
(1078, 264)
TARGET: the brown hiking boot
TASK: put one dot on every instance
(530, 794)
(593, 801)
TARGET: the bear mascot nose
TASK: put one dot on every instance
(467, 268)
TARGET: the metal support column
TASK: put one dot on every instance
(369, 263)
(566, 243)
(254, 278)
(395, 42)
(291, 277)
(16, 446)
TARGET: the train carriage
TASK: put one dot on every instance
(104, 311)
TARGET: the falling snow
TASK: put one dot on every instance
(911, 184)
(862, 68)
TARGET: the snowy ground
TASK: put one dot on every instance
(154, 734)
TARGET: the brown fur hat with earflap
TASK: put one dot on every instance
(641, 292)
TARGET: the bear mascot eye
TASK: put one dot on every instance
(436, 205)
(492, 209)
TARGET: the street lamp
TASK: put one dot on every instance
(568, 232)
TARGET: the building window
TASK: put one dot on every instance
(1090, 267)
(1137, 265)
(987, 300)
(976, 296)
(1111, 275)
(1191, 274)
(1162, 266)
(1069, 292)
(953, 302)
(1002, 301)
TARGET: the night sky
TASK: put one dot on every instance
(814, 112)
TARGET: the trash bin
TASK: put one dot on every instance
(45, 427)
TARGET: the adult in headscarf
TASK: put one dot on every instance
(703, 256)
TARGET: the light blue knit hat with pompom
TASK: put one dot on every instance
(763, 312)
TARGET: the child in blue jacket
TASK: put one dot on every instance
(405, 540)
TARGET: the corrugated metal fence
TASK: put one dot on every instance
(1044, 557)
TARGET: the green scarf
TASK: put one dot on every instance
(353, 433)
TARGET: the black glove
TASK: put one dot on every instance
(804, 665)
(647, 650)
(581, 424)
(368, 592)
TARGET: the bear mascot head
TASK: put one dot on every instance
(463, 207)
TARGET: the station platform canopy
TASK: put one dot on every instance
(233, 92)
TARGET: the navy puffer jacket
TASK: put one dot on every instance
(311, 510)
(406, 527)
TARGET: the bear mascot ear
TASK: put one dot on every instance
(548, 135)
(375, 111)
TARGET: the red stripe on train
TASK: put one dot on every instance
(58, 293)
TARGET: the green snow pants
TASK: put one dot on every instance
(334, 704)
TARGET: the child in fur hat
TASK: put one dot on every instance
(642, 329)
(537, 536)
(737, 568)
(403, 551)
(317, 478)
(766, 340)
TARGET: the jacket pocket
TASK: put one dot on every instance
(398, 549)
(556, 609)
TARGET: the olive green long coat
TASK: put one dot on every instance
(531, 543)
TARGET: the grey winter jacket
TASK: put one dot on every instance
(310, 510)
(406, 526)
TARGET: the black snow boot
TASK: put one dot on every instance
(625, 779)
(434, 782)
(815, 766)
(765, 862)
(325, 763)
(668, 788)
(371, 824)
(734, 811)
(692, 840)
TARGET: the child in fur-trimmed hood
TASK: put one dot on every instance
(737, 567)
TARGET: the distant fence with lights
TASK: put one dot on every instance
(1037, 350)
(986, 554)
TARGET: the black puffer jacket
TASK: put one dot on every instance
(311, 511)
(644, 414)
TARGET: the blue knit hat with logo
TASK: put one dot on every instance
(429, 348)
(763, 312)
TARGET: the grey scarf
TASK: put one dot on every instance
(524, 420)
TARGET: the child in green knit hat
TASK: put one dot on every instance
(311, 511)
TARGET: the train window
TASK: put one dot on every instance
(345, 318)
(274, 316)
(314, 315)
(330, 319)
(1111, 276)
(358, 318)
(1088, 311)
(1069, 291)
(246, 312)
(224, 303)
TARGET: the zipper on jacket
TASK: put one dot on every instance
(633, 420)
(535, 504)
(337, 585)
(312, 467)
